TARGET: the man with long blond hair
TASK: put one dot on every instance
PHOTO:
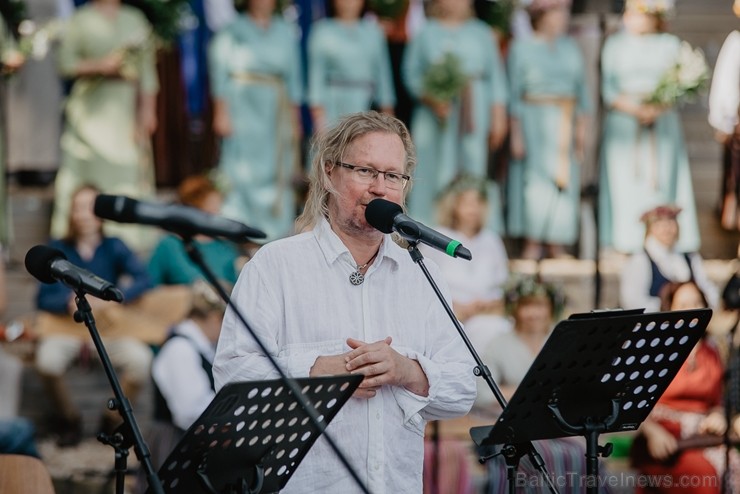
(341, 298)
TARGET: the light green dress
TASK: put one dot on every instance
(99, 143)
(256, 72)
(641, 167)
(548, 90)
(349, 68)
(7, 43)
(446, 149)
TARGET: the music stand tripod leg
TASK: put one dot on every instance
(590, 430)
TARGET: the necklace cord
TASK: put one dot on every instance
(363, 266)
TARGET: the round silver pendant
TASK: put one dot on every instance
(356, 278)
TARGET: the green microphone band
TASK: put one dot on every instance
(451, 247)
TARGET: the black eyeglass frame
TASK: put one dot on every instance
(405, 179)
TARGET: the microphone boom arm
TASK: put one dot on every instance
(481, 370)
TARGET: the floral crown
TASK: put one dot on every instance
(525, 287)
(464, 182)
(542, 5)
(658, 7)
(664, 211)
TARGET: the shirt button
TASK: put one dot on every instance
(377, 415)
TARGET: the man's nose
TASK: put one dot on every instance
(378, 186)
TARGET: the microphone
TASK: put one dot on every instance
(388, 216)
(183, 220)
(49, 265)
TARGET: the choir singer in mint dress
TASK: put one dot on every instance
(549, 105)
(255, 81)
(10, 61)
(107, 51)
(455, 136)
(643, 156)
(349, 67)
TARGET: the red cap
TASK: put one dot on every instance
(662, 212)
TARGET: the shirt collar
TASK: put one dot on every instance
(333, 248)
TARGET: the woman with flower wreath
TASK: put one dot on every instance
(534, 306)
(349, 66)
(255, 72)
(549, 108)
(107, 50)
(453, 70)
(643, 155)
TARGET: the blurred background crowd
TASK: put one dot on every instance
(546, 108)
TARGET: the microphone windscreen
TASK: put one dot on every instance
(38, 262)
(380, 214)
(116, 208)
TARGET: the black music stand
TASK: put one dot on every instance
(598, 372)
(252, 436)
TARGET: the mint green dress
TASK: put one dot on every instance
(548, 89)
(641, 166)
(99, 144)
(459, 144)
(256, 72)
(7, 43)
(349, 68)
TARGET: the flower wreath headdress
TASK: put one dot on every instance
(526, 286)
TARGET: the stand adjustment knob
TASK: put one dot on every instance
(606, 450)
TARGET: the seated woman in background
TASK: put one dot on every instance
(535, 305)
(182, 374)
(660, 262)
(476, 286)
(691, 406)
(111, 259)
(170, 264)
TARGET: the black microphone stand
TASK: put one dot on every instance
(127, 434)
(197, 258)
(511, 452)
(730, 378)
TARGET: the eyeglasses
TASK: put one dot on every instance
(366, 175)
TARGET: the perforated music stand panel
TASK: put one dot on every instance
(253, 423)
(590, 360)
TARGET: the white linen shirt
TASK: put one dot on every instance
(296, 295)
(178, 371)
